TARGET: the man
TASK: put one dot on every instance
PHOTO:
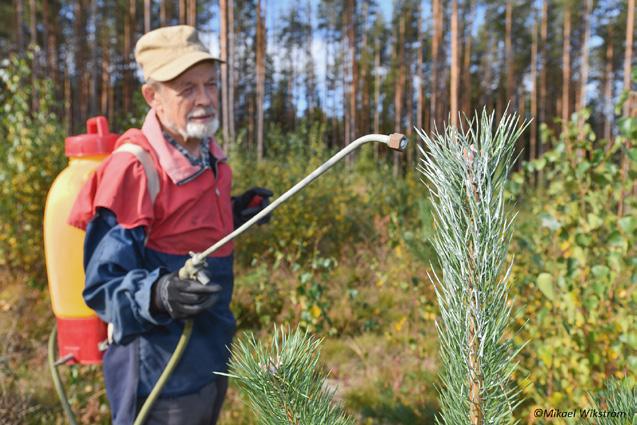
(143, 218)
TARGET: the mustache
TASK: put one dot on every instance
(201, 112)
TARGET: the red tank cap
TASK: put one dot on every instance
(98, 140)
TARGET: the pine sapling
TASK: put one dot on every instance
(284, 382)
(465, 170)
(616, 404)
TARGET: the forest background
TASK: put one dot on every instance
(348, 259)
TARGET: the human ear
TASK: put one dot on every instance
(150, 95)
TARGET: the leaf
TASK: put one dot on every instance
(600, 271)
(545, 283)
(583, 239)
(628, 224)
(549, 221)
(628, 127)
(594, 221)
(616, 239)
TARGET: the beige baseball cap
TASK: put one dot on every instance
(166, 52)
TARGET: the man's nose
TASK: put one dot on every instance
(205, 97)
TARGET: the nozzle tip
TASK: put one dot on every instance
(398, 142)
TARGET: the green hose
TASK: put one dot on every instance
(148, 404)
(168, 370)
(57, 381)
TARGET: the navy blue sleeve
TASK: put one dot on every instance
(118, 286)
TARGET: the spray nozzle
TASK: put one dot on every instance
(398, 142)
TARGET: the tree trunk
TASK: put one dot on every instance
(33, 21)
(128, 36)
(351, 38)
(19, 17)
(35, 69)
(309, 62)
(581, 100)
(106, 79)
(533, 139)
(543, 80)
(260, 64)
(223, 51)
(420, 71)
(162, 12)
(83, 76)
(346, 84)
(79, 63)
(409, 128)
(192, 13)
(486, 63)
(45, 38)
(363, 121)
(231, 69)
(147, 12)
(435, 50)
(377, 86)
(68, 111)
(466, 77)
(182, 12)
(509, 50)
(566, 67)
(94, 69)
(608, 87)
(398, 89)
(111, 102)
(628, 53)
(630, 25)
(455, 63)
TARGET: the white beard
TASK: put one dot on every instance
(197, 130)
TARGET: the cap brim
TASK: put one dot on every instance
(175, 68)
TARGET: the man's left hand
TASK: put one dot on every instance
(249, 204)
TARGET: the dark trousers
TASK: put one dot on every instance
(200, 408)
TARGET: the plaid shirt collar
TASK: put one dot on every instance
(204, 153)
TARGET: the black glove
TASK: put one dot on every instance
(182, 298)
(249, 204)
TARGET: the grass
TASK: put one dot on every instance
(380, 347)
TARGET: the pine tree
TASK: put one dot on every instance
(619, 396)
(283, 382)
(466, 169)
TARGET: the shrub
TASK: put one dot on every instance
(576, 269)
(31, 154)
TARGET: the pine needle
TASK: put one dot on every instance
(283, 382)
(465, 170)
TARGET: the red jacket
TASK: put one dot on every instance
(191, 211)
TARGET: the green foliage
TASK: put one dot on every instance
(467, 169)
(618, 396)
(31, 154)
(310, 294)
(347, 206)
(576, 268)
(283, 381)
(321, 217)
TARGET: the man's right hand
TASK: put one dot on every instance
(182, 298)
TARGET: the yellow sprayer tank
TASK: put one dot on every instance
(80, 331)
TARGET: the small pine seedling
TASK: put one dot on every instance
(283, 382)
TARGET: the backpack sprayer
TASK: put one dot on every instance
(73, 345)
